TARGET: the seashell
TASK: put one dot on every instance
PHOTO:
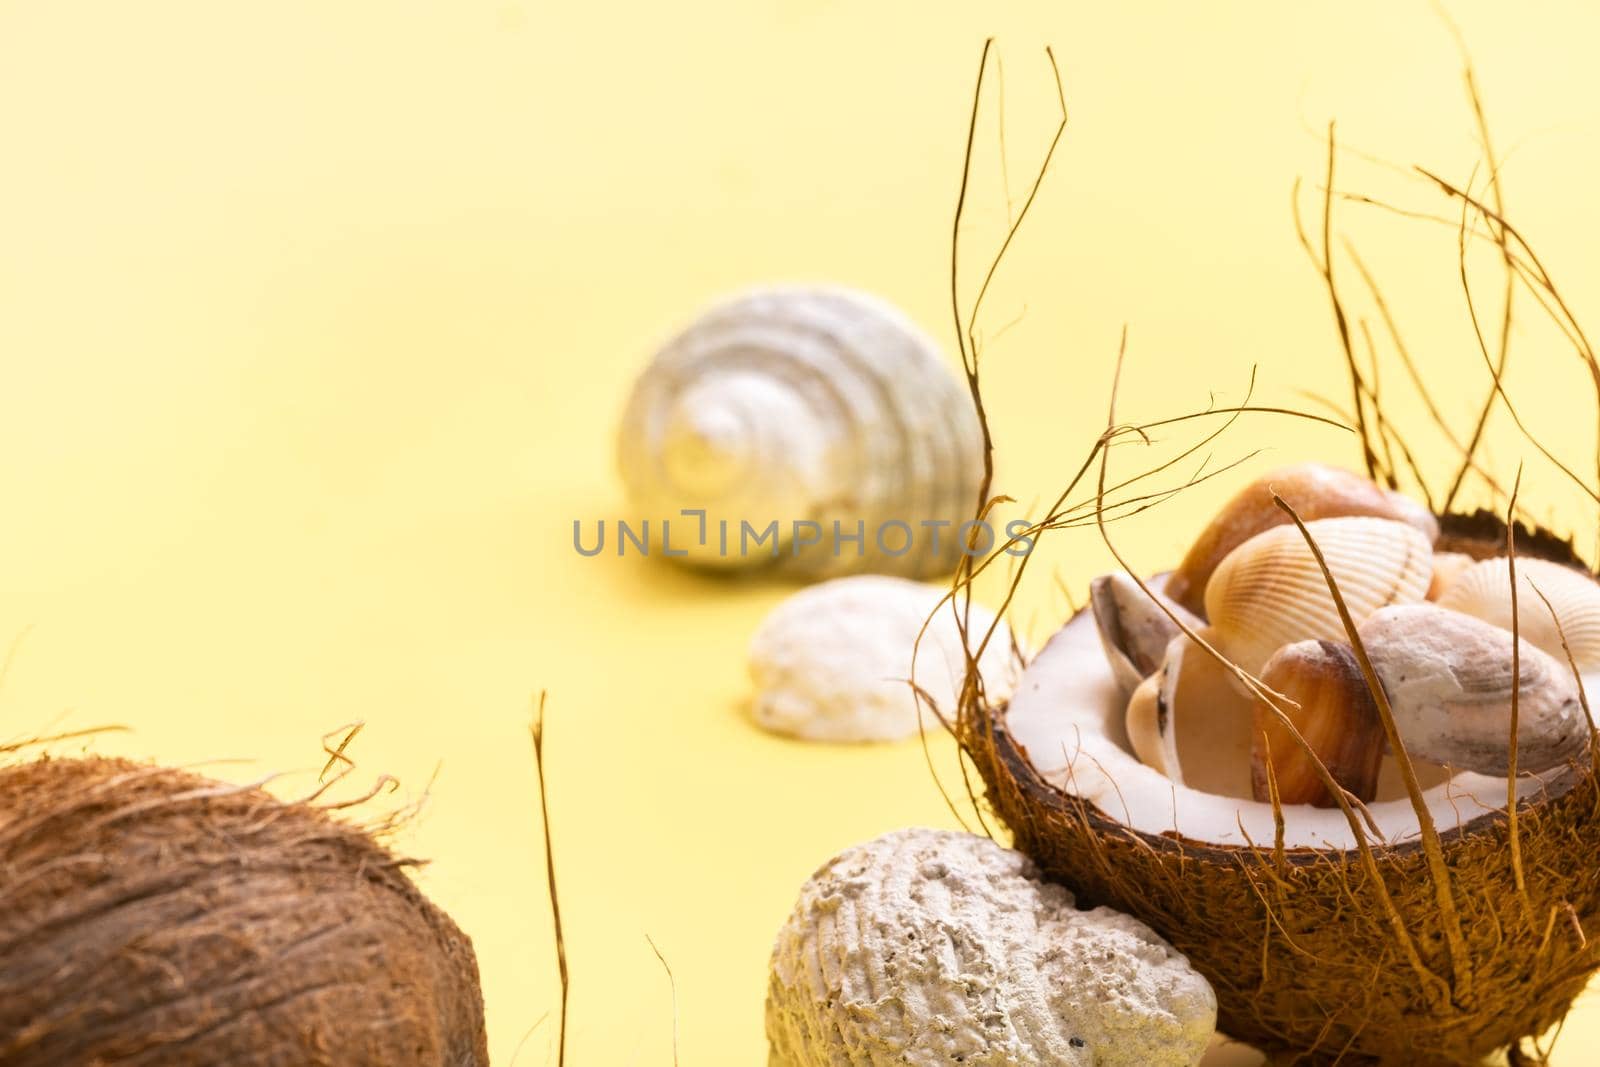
(1483, 590)
(1134, 629)
(932, 947)
(831, 662)
(1148, 736)
(1337, 718)
(1449, 683)
(822, 407)
(1191, 721)
(1406, 510)
(1446, 567)
(1270, 592)
(1315, 490)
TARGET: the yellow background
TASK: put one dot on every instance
(316, 318)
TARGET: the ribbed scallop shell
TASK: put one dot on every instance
(1270, 592)
(1483, 591)
(812, 405)
(1315, 491)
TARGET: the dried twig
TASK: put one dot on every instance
(537, 732)
(672, 982)
(1516, 688)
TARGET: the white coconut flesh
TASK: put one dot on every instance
(1067, 715)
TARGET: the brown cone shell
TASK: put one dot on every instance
(1337, 717)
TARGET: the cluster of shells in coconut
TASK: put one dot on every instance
(1342, 763)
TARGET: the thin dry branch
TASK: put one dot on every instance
(1516, 715)
(1380, 301)
(672, 982)
(1498, 233)
(1324, 265)
(536, 730)
(1542, 278)
(1439, 871)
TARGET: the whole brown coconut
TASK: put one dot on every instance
(151, 916)
(1310, 956)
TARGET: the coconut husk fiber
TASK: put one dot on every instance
(1312, 959)
(153, 916)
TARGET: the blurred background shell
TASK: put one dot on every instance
(805, 404)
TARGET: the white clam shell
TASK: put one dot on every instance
(1197, 728)
(831, 662)
(1146, 723)
(1449, 682)
(806, 405)
(930, 947)
(1483, 591)
(1270, 591)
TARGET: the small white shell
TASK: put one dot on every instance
(1204, 716)
(808, 405)
(1483, 591)
(1270, 592)
(929, 948)
(1148, 736)
(830, 663)
(1190, 720)
(1449, 682)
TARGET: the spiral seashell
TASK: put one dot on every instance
(1483, 591)
(1315, 491)
(806, 405)
(1270, 591)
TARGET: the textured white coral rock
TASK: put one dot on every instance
(831, 662)
(932, 948)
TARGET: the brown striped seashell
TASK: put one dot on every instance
(1270, 591)
(1337, 717)
(1483, 590)
(1315, 491)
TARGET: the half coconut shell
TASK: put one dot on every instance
(1339, 953)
